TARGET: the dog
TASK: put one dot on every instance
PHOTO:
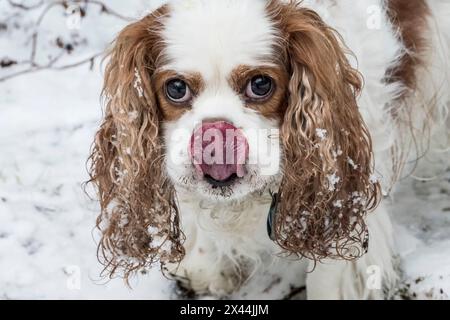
(254, 141)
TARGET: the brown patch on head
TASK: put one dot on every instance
(272, 107)
(170, 110)
(139, 217)
(327, 187)
(409, 18)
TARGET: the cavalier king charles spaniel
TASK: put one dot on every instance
(250, 142)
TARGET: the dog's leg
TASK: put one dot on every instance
(370, 277)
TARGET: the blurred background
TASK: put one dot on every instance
(50, 82)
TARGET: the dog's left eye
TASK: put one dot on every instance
(178, 91)
(259, 87)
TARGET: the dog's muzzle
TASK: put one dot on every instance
(219, 152)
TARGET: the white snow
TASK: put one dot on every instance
(321, 133)
(337, 203)
(373, 178)
(333, 179)
(47, 235)
(336, 153)
(138, 83)
(421, 211)
(352, 163)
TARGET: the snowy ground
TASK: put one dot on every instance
(421, 211)
(47, 240)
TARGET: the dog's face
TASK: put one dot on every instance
(222, 94)
(223, 98)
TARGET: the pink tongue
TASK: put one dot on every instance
(213, 138)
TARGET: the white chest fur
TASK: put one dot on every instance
(228, 246)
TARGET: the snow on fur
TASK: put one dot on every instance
(47, 240)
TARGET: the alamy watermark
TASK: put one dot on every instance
(259, 147)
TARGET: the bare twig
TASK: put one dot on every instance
(24, 7)
(107, 9)
(79, 63)
(50, 66)
(104, 8)
(34, 66)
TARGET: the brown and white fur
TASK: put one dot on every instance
(346, 127)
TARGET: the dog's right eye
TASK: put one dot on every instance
(178, 91)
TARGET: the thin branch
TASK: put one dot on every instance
(107, 9)
(50, 66)
(19, 73)
(79, 63)
(33, 65)
(65, 3)
(24, 7)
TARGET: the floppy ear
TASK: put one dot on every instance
(139, 216)
(327, 187)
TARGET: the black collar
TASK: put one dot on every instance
(271, 216)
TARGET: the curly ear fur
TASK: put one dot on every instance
(327, 187)
(139, 216)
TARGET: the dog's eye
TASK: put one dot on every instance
(178, 91)
(259, 87)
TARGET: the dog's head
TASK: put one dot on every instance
(224, 99)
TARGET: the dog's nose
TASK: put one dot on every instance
(219, 151)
